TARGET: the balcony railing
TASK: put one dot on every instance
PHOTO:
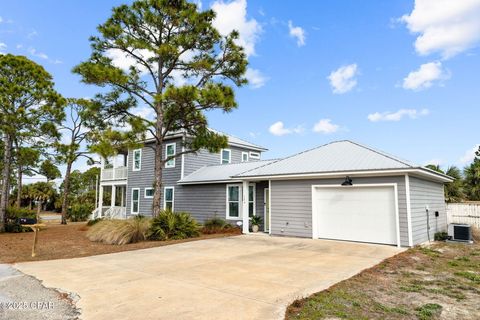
(114, 173)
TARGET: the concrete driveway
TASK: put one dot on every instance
(243, 277)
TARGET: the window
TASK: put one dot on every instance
(168, 198)
(135, 200)
(244, 156)
(137, 160)
(251, 200)
(233, 201)
(254, 155)
(226, 153)
(148, 193)
(170, 150)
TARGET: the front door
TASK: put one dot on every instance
(266, 209)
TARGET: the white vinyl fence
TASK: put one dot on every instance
(468, 212)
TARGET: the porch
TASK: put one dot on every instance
(112, 202)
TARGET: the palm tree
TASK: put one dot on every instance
(454, 189)
(472, 180)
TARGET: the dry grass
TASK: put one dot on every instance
(119, 232)
(476, 234)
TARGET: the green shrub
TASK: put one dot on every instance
(79, 212)
(173, 225)
(119, 231)
(441, 236)
(216, 225)
(13, 226)
(94, 221)
(14, 213)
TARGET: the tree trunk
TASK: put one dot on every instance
(30, 204)
(39, 206)
(5, 180)
(19, 187)
(66, 191)
(157, 195)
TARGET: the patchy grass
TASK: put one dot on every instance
(437, 282)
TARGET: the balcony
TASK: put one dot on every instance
(119, 173)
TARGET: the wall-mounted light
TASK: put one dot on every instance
(348, 181)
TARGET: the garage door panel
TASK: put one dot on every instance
(356, 213)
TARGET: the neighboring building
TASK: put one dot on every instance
(341, 190)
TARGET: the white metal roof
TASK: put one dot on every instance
(232, 140)
(221, 172)
(336, 156)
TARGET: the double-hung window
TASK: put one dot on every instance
(225, 156)
(170, 150)
(168, 198)
(137, 160)
(135, 200)
(233, 201)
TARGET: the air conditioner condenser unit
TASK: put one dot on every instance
(460, 232)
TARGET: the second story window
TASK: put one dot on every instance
(244, 156)
(137, 160)
(170, 150)
(226, 156)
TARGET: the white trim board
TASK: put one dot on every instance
(314, 206)
(409, 210)
(352, 174)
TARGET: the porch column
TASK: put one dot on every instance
(100, 201)
(112, 203)
(245, 220)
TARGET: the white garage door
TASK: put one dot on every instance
(366, 214)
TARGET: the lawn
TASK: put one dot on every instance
(439, 282)
(69, 241)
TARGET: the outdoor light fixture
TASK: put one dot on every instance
(347, 182)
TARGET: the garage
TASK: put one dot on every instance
(365, 213)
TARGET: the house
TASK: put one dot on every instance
(341, 190)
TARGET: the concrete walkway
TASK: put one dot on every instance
(244, 277)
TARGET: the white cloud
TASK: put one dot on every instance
(233, 16)
(398, 115)
(37, 54)
(424, 77)
(297, 33)
(1, 19)
(444, 26)
(278, 129)
(469, 155)
(255, 78)
(325, 126)
(343, 79)
(3, 47)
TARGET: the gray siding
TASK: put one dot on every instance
(291, 207)
(423, 193)
(145, 177)
(184, 198)
(195, 161)
(209, 200)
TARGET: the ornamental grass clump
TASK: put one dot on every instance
(170, 225)
(119, 232)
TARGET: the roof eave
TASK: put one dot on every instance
(379, 172)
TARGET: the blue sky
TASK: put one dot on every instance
(319, 70)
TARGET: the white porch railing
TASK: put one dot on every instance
(110, 213)
(114, 173)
